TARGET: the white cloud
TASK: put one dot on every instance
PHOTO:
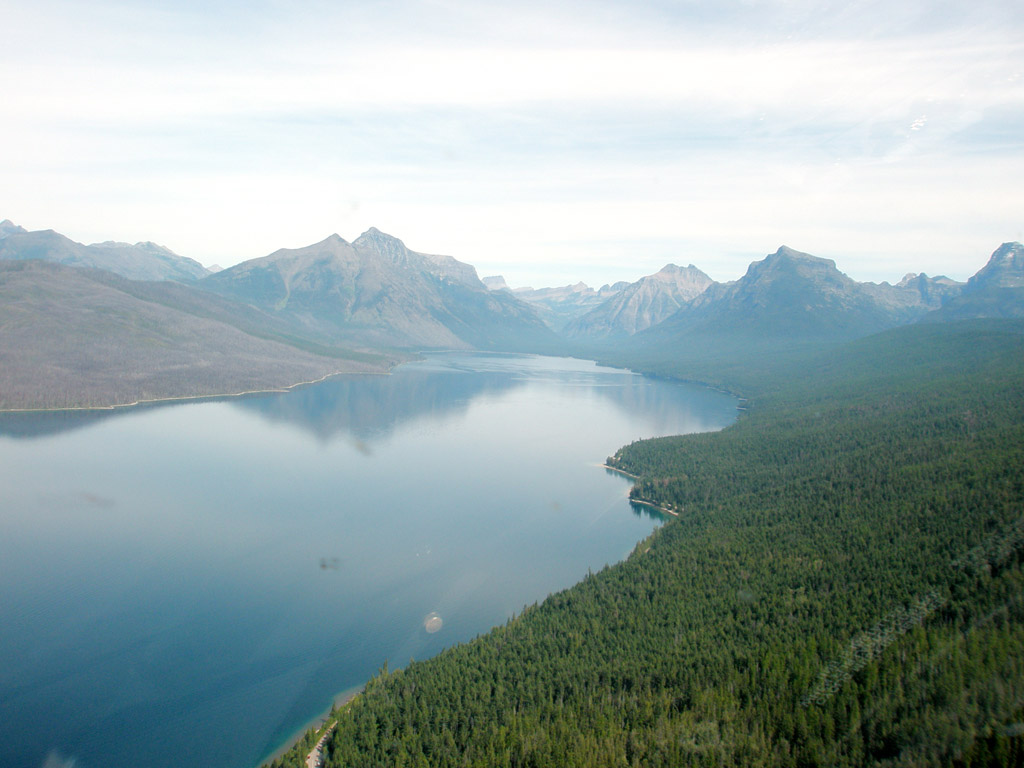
(521, 134)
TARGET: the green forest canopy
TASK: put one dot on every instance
(842, 586)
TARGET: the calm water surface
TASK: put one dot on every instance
(186, 585)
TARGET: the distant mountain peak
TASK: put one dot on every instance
(787, 263)
(495, 283)
(646, 302)
(674, 272)
(149, 245)
(141, 261)
(785, 253)
(383, 244)
(1012, 249)
(8, 227)
(334, 245)
(616, 287)
(996, 290)
(375, 237)
(378, 291)
(389, 246)
(145, 245)
(1005, 269)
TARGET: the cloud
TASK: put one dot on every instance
(522, 133)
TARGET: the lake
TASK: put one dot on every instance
(190, 583)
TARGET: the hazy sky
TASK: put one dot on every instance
(548, 142)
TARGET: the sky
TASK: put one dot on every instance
(546, 142)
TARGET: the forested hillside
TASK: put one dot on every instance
(841, 586)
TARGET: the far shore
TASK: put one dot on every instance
(188, 398)
(340, 700)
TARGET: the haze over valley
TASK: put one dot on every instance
(114, 323)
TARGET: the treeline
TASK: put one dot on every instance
(842, 587)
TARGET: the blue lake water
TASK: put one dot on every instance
(188, 584)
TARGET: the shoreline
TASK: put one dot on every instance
(344, 697)
(622, 472)
(655, 506)
(187, 398)
(338, 702)
(651, 504)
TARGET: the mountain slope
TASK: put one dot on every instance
(141, 261)
(785, 306)
(997, 290)
(72, 337)
(796, 295)
(642, 304)
(376, 292)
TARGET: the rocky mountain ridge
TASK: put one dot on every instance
(996, 290)
(794, 294)
(348, 300)
(561, 305)
(381, 293)
(138, 261)
(642, 304)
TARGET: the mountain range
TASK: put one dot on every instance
(106, 315)
(788, 294)
(559, 306)
(141, 261)
(376, 292)
(796, 295)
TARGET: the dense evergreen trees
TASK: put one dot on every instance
(842, 586)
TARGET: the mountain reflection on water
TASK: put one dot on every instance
(369, 407)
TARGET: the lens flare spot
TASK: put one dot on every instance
(432, 623)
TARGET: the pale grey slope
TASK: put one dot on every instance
(75, 337)
(377, 292)
(141, 261)
(642, 304)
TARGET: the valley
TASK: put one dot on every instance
(81, 329)
(838, 579)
